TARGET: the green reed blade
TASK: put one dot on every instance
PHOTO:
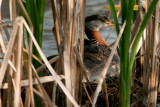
(139, 35)
(35, 10)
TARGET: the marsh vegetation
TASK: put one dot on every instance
(28, 79)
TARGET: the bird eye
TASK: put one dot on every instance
(106, 18)
(103, 21)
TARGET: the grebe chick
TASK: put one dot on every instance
(96, 50)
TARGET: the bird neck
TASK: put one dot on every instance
(95, 35)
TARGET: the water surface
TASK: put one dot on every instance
(92, 7)
(49, 45)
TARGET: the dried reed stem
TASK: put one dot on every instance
(35, 57)
(54, 93)
(12, 8)
(30, 72)
(154, 72)
(151, 72)
(39, 94)
(56, 20)
(44, 79)
(42, 88)
(26, 14)
(83, 68)
(105, 95)
(17, 78)
(8, 52)
(27, 98)
(0, 100)
(51, 61)
(90, 99)
(2, 44)
(103, 73)
(57, 78)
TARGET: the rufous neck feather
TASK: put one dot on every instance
(95, 35)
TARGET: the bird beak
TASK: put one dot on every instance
(110, 24)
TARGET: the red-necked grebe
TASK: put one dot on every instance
(96, 50)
